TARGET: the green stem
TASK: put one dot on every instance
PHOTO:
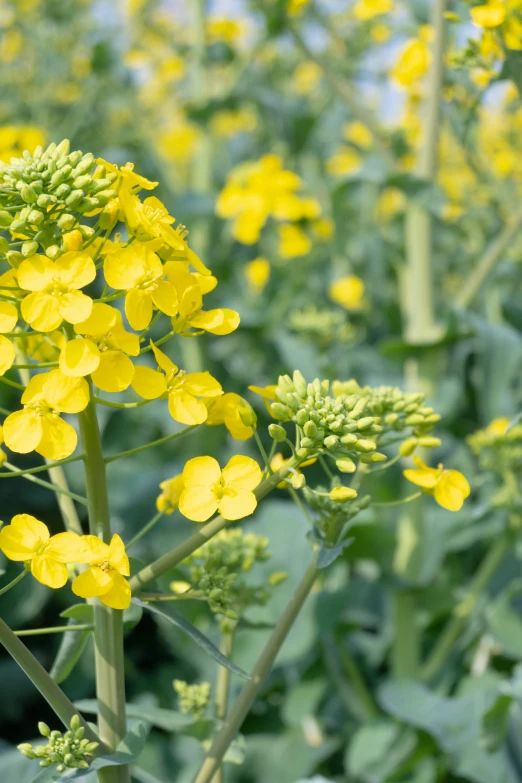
(405, 650)
(14, 582)
(65, 499)
(41, 468)
(14, 384)
(204, 534)
(359, 684)
(262, 668)
(108, 623)
(51, 692)
(145, 529)
(222, 692)
(48, 485)
(53, 629)
(151, 445)
(41, 366)
(120, 405)
(451, 633)
(491, 257)
(401, 502)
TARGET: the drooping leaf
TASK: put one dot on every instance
(69, 652)
(128, 750)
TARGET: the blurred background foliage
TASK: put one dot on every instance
(288, 135)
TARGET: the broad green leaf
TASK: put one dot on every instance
(128, 750)
(377, 750)
(83, 613)
(196, 636)
(69, 652)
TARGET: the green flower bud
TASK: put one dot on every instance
(310, 430)
(5, 219)
(29, 248)
(407, 447)
(302, 453)
(277, 432)
(82, 764)
(349, 439)
(45, 200)
(88, 204)
(28, 194)
(82, 182)
(4, 245)
(91, 747)
(53, 252)
(57, 179)
(364, 445)
(26, 750)
(365, 423)
(86, 231)
(345, 465)
(74, 198)
(277, 578)
(69, 760)
(62, 191)
(307, 443)
(75, 722)
(35, 217)
(44, 729)
(301, 417)
(79, 733)
(62, 149)
(331, 442)
(429, 442)
(85, 165)
(246, 413)
(413, 419)
(297, 480)
(280, 412)
(299, 383)
(66, 222)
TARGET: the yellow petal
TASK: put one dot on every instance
(221, 321)
(102, 318)
(138, 308)
(41, 311)
(67, 395)
(119, 594)
(198, 503)
(127, 342)
(185, 408)
(115, 372)
(451, 490)
(202, 384)
(117, 556)
(197, 263)
(7, 354)
(22, 431)
(66, 548)
(201, 472)
(171, 490)
(23, 537)
(242, 473)
(75, 269)
(163, 360)
(148, 383)
(422, 475)
(49, 571)
(58, 440)
(241, 503)
(96, 550)
(8, 316)
(190, 300)
(75, 307)
(124, 268)
(165, 297)
(79, 358)
(34, 389)
(35, 273)
(92, 582)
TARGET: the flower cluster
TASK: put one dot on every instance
(68, 750)
(193, 699)
(498, 446)
(334, 508)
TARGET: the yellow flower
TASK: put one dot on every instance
(171, 490)
(513, 33)
(306, 77)
(296, 7)
(226, 410)
(489, 15)
(54, 290)
(413, 63)
(182, 389)
(348, 292)
(358, 133)
(368, 9)
(190, 289)
(449, 487)
(268, 393)
(257, 273)
(104, 351)
(139, 271)
(44, 347)
(278, 461)
(38, 427)
(209, 489)
(391, 202)
(345, 161)
(28, 540)
(498, 426)
(293, 241)
(105, 578)
(129, 179)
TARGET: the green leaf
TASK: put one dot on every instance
(495, 723)
(132, 616)
(168, 720)
(128, 750)
(69, 652)
(329, 554)
(504, 621)
(84, 613)
(377, 750)
(196, 636)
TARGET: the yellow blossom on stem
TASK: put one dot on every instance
(345, 161)
(183, 390)
(293, 242)
(139, 271)
(490, 14)
(190, 289)
(171, 489)
(209, 489)
(413, 63)
(28, 540)
(348, 292)
(38, 427)
(54, 289)
(103, 353)
(257, 273)
(369, 9)
(449, 487)
(268, 393)
(129, 179)
(498, 426)
(105, 578)
(227, 410)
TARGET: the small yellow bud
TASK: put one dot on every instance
(340, 494)
(407, 448)
(72, 240)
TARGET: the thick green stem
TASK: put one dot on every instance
(51, 692)
(222, 692)
(108, 623)
(449, 636)
(208, 531)
(406, 645)
(262, 668)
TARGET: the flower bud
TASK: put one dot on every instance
(68, 760)
(4, 245)
(297, 480)
(407, 447)
(349, 439)
(28, 194)
(277, 432)
(428, 442)
(74, 198)
(72, 240)
(109, 214)
(62, 149)
(45, 200)
(53, 252)
(341, 494)
(302, 453)
(66, 222)
(29, 248)
(44, 729)
(364, 445)
(57, 179)
(301, 417)
(75, 722)
(246, 413)
(35, 217)
(307, 443)
(365, 422)
(26, 750)
(310, 429)
(5, 219)
(280, 412)
(299, 383)
(91, 747)
(331, 442)
(345, 465)
(277, 577)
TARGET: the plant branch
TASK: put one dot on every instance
(151, 445)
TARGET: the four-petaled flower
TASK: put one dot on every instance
(171, 490)
(182, 389)
(227, 410)
(105, 578)
(28, 540)
(103, 353)
(38, 427)
(209, 489)
(449, 487)
(190, 289)
(54, 290)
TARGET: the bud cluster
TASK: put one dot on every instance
(498, 450)
(68, 751)
(193, 699)
(50, 189)
(332, 513)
